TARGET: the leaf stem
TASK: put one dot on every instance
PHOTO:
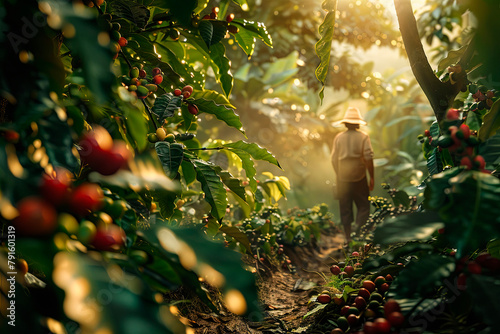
(206, 148)
(160, 28)
(149, 113)
(126, 59)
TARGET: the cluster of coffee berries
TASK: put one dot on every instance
(82, 212)
(368, 310)
(214, 15)
(161, 135)
(101, 153)
(458, 139)
(484, 264)
(483, 97)
(186, 92)
(138, 84)
(113, 29)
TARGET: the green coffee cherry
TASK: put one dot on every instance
(152, 87)
(134, 72)
(170, 138)
(115, 35)
(142, 91)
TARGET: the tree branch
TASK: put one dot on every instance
(440, 94)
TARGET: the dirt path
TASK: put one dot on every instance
(284, 295)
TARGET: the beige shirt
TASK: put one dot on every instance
(350, 150)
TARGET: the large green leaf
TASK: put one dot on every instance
(96, 58)
(164, 244)
(401, 198)
(206, 31)
(170, 155)
(166, 202)
(231, 182)
(211, 102)
(182, 68)
(166, 106)
(257, 152)
(490, 151)
(246, 41)
(434, 129)
(246, 152)
(494, 248)
(137, 127)
(223, 7)
(226, 262)
(422, 276)
(58, 142)
(467, 203)
(131, 11)
(241, 3)
(324, 46)
(202, 4)
(238, 235)
(415, 226)
(112, 301)
(212, 186)
(281, 70)
(223, 75)
(249, 167)
(212, 31)
(491, 122)
(395, 255)
(188, 172)
(255, 29)
(452, 58)
(434, 162)
(485, 301)
(180, 11)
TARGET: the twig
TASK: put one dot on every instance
(206, 148)
(98, 8)
(150, 114)
(126, 59)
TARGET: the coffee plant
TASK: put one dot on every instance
(99, 153)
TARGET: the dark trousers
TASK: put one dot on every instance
(358, 193)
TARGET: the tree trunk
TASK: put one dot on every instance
(440, 94)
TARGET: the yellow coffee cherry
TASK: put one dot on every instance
(161, 133)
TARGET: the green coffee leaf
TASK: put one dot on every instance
(212, 186)
(324, 45)
(223, 75)
(166, 106)
(170, 155)
(131, 11)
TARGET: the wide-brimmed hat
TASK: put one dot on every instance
(352, 116)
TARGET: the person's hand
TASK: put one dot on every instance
(372, 184)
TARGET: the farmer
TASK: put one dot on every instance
(352, 155)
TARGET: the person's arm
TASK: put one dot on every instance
(333, 157)
(371, 172)
(368, 156)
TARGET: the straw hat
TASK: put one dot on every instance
(352, 116)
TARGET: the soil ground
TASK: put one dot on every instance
(284, 295)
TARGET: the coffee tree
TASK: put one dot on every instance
(100, 109)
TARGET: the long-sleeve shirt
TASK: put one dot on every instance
(350, 151)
